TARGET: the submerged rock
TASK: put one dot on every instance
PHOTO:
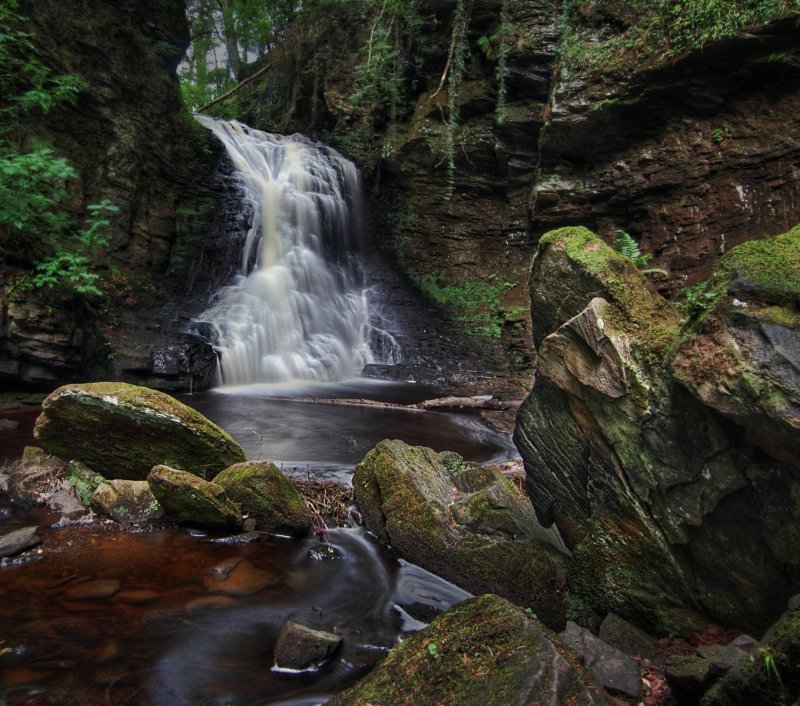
(301, 647)
(629, 448)
(239, 577)
(190, 500)
(482, 652)
(126, 501)
(123, 431)
(462, 521)
(265, 495)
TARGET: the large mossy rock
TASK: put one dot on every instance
(264, 494)
(124, 430)
(128, 502)
(770, 674)
(190, 500)
(462, 521)
(482, 652)
(657, 494)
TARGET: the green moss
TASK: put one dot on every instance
(770, 267)
(84, 480)
(646, 317)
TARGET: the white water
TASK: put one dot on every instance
(298, 309)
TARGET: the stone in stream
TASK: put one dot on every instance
(239, 577)
(464, 522)
(19, 540)
(301, 647)
(122, 431)
(94, 589)
(482, 652)
(190, 500)
(126, 501)
(84, 480)
(264, 494)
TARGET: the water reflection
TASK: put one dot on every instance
(283, 424)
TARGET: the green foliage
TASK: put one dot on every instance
(770, 665)
(627, 246)
(698, 298)
(433, 650)
(458, 57)
(69, 270)
(657, 29)
(720, 134)
(476, 302)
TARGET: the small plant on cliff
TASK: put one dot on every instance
(627, 246)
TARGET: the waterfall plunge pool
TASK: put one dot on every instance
(289, 425)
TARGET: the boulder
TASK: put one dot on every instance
(84, 480)
(122, 431)
(262, 493)
(770, 674)
(482, 652)
(190, 500)
(301, 647)
(612, 669)
(19, 540)
(650, 484)
(627, 638)
(464, 522)
(126, 501)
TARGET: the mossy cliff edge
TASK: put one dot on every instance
(666, 451)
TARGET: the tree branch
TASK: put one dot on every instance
(237, 87)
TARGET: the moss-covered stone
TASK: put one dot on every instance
(126, 501)
(84, 480)
(123, 430)
(263, 493)
(482, 652)
(190, 500)
(408, 496)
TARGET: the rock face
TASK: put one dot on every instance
(482, 652)
(132, 142)
(190, 500)
(462, 521)
(263, 493)
(656, 451)
(123, 431)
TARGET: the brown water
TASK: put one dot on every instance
(167, 634)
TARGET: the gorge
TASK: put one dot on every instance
(577, 221)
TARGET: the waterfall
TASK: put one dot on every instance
(298, 308)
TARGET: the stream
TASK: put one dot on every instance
(101, 614)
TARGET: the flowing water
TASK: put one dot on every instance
(298, 308)
(103, 615)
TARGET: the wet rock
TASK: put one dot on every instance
(417, 499)
(611, 668)
(33, 453)
(657, 495)
(9, 425)
(239, 577)
(126, 501)
(122, 431)
(19, 540)
(769, 674)
(136, 596)
(324, 552)
(265, 495)
(94, 589)
(84, 480)
(482, 651)
(190, 500)
(210, 602)
(627, 638)
(64, 499)
(300, 647)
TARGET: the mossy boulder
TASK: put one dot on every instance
(464, 522)
(128, 502)
(742, 358)
(84, 480)
(190, 500)
(658, 496)
(263, 493)
(770, 674)
(123, 430)
(482, 652)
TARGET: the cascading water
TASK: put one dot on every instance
(298, 308)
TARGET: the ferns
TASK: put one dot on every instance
(625, 245)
